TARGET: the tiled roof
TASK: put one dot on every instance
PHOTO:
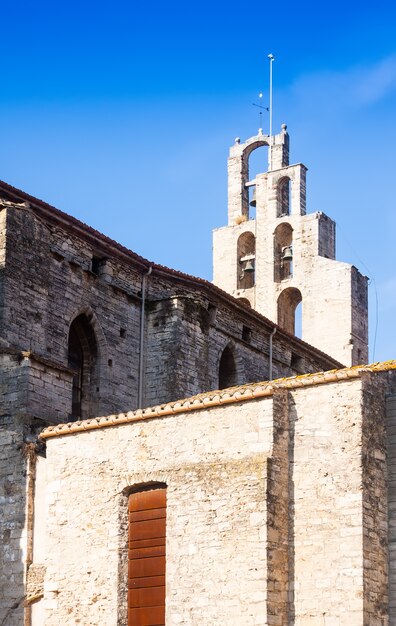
(202, 401)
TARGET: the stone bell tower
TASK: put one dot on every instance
(282, 257)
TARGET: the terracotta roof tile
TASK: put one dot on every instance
(231, 395)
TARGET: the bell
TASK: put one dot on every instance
(253, 200)
(287, 254)
(249, 267)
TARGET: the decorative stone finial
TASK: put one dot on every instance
(237, 140)
(284, 127)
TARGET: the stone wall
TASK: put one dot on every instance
(215, 466)
(277, 508)
(53, 275)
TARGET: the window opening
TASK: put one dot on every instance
(246, 334)
(82, 359)
(296, 362)
(283, 252)
(227, 369)
(76, 363)
(97, 264)
(284, 197)
(257, 164)
(288, 301)
(246, 261)
(298, 320)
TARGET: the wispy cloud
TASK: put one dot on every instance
(356, 87)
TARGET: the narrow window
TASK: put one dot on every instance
(83, 360)
(283, 252)
(284, 197)
(76, 363)
(246, 252)
(227, 370)
(147, 557)
(246, 334)
(97, 264)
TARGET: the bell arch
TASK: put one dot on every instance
(227, 368)
(257, 163)
(283, 252)
(284, 196)
(84, 359)
(288, 301)
(246, 258)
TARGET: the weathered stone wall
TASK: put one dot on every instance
(276, 514)
(215, 466)
(330, 512)
(12, 521)
(49, 280)
(391, 466)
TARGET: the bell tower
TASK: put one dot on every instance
(277, 258)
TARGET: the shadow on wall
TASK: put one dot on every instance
(16, 522)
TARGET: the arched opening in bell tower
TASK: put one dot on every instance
(283, 252)
(257, 163)
(288, 302)
(83, 360)
(284, 195)
(246, 260)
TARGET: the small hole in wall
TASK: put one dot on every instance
(123, 333)
(110, 362)
(296, 361)
(212, 310)
(246, 334)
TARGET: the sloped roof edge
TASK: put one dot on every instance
(216, 398)
(94, 236)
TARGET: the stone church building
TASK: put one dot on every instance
(147, 474)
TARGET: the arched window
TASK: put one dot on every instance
(246, 251)
(283, 252)
(227, 369)
(83, 360)
(257, 164)
(288, 301)
(284, 197)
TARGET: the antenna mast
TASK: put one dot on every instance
(271, 60)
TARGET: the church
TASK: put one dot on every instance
(172, 453)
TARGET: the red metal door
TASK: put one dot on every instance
(146, 558)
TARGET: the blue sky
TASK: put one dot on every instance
(122, 114)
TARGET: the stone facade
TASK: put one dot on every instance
(56, 271)
(89, 328)
(290, 255)
(276, 505)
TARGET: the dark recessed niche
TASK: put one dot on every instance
(212, 310)
(97, 264)
(296, 361)
(246, 334)
(123, 333)
(110, 362)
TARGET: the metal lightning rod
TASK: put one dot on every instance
(271, 60)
